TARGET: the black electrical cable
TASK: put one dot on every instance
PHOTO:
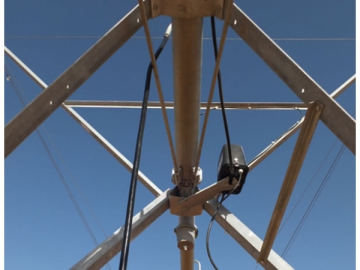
(223, 198)
(213, 33)
(209, 230)
(134, 174)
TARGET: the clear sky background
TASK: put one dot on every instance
(42, 227)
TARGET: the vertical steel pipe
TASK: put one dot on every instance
(187, 60)
(187, 259)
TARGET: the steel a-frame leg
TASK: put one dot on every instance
(19, 128)
(103, 253)
(333, 115)
(244, 236)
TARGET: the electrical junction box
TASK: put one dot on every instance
(239, 164)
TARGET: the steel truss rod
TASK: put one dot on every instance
(145, 15)
(288, 134)
(102, 254)
(170, 105)
(300, 150)
(227, 20)
(20, 127)
(97, 136)
(244, 236)
(333, 115)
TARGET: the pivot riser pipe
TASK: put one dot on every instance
(186, 233)
(187, 60)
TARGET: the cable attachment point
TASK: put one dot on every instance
(176, 176)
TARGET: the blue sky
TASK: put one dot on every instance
(42, 227)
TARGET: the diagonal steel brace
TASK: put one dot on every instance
(333, 115)
(20, 127)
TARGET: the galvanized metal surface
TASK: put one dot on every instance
(145, 16)
(300, 150)
(96, 135)
(19, 128)
(187, 9)
(244, 236)
(293, 130)
(333, 116)
(170, 105)
(227, 15)
(98, 257)
(187, 60)
(208, 193)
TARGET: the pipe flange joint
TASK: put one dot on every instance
(186, 234)
(187, 226)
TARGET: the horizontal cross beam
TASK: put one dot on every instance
(170, 105)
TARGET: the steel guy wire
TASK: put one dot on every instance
(10, 77)
(313, 201)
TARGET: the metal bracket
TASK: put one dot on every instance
(177, 209)
(176, 176)
(197, 176)
(193, 205)
(187, 9)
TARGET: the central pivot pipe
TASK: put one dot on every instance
(187, 61)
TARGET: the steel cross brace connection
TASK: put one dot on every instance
(301, 147)
(96, 135)
(333, 115)
(19, 128)
(244, 236)
(297, 126)
(103, 253)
